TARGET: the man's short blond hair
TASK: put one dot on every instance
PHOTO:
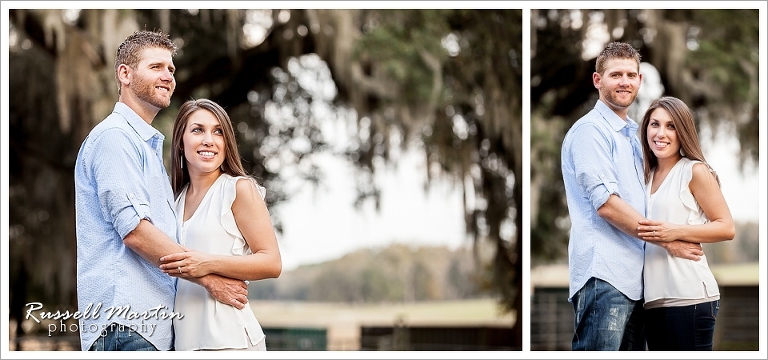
(616, 50)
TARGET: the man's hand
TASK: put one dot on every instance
(683, 249)
(226, 290)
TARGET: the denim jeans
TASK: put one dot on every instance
(121, 338)
(682, 327)
(605, 319)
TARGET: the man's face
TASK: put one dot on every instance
(618, 84)
(152, 81)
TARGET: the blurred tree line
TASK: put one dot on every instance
(446, 81)
(707, 58)
(745, 247)
(396, 273)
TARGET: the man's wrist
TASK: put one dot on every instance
(202, 281)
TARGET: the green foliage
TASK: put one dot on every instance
(465, 107)
(728, 60)
(726, 39)
(394, 41)
(40, 187)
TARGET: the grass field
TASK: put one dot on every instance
(343, 321)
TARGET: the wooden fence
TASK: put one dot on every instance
(436, 338)
(737, 326)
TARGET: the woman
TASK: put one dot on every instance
(221, 213)
(684, 203)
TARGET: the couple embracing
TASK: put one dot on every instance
(640, 210)
(189, 245)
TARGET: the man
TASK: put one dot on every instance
(602, 170)
(125, 220)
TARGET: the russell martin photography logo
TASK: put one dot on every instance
(56, 321)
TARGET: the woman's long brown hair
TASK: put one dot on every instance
(686, 134)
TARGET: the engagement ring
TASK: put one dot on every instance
(180, 270)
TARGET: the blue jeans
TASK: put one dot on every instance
(682, 327)
(605, 319)
(121, 338)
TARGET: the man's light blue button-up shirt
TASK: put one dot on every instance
(601, 155)
(119, 180)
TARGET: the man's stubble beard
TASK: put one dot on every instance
(145, 90)
(611, 98)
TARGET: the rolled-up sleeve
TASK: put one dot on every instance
(596, 174)
(122, 192)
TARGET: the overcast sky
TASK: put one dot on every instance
(322, 224)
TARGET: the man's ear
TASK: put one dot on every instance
(596, 79)
(124, 73)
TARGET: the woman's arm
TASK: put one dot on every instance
(254, 222)
(708, 195)
(252, 218)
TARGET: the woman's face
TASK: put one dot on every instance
(203, 139)
(662, 135)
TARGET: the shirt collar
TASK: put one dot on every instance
(614, 120)
(138, 124)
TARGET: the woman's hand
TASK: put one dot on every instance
(186, 264)
(659, 231)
